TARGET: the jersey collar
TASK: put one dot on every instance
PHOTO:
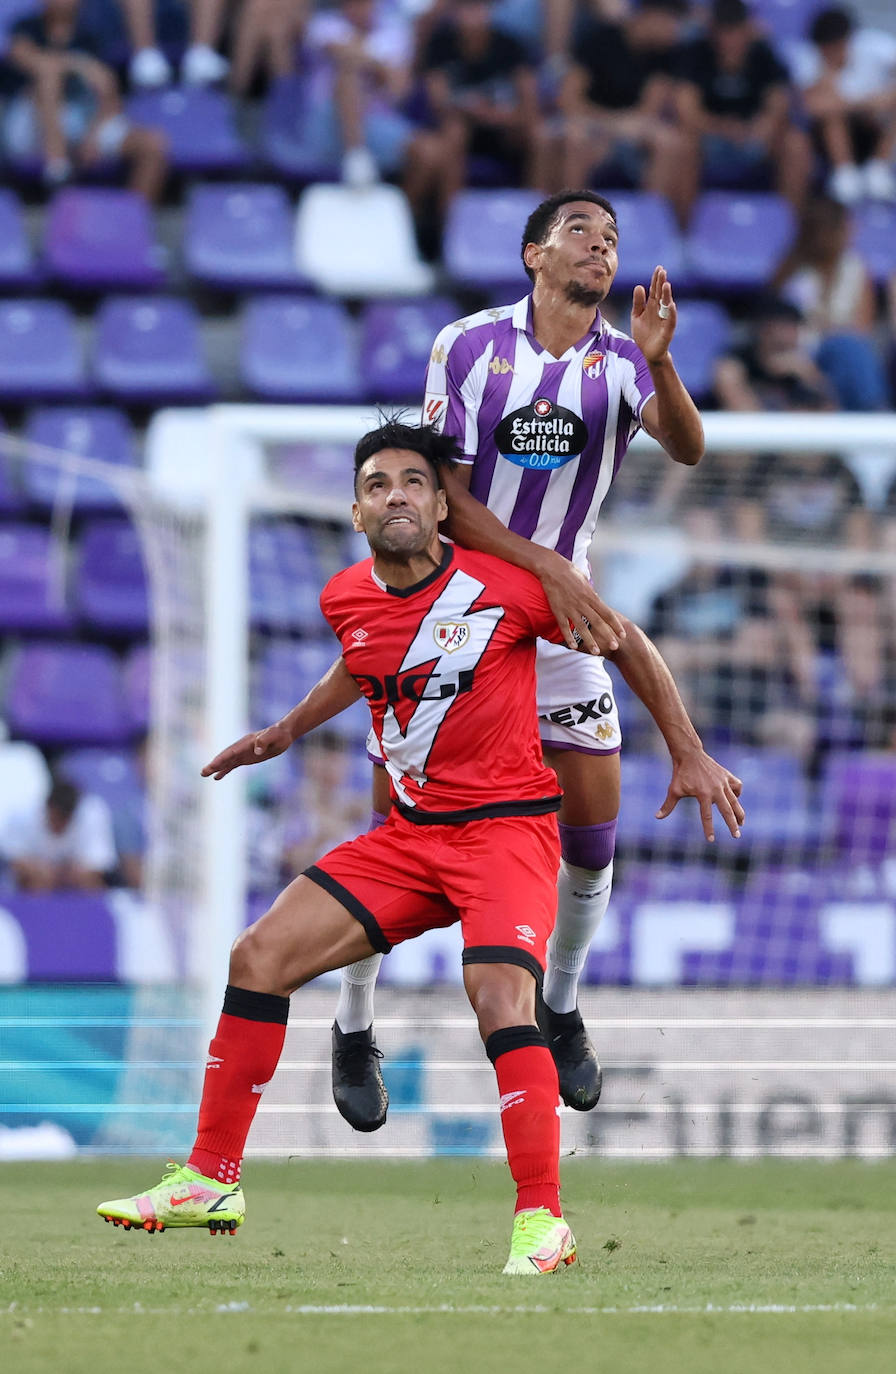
(447, 559)
(522, 319)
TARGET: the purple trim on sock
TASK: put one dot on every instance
(376, 820)
(588, 846)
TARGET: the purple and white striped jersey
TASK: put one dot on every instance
(545, 435)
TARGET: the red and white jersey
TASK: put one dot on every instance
(545, 435)
(448, 670)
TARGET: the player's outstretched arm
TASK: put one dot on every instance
(694, 772)
(670, 415)
(571, 597)
(333, 693)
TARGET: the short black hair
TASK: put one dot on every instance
(729, 14)
(440, 450)
(831, 26)
(63, 797)
(541, 221)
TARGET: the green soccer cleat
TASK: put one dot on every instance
(183, 1198)
(540, 1243)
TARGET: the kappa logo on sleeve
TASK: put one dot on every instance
(435, 408)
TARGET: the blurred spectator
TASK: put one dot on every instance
(67, 842)
(325, 808)
(809, 497)
(265, 35)
(773, 370)
(617, 109)
(360, 77)
(482, 89)
(738, 644)
(68, 106)
(735, 98)
(848, 79)
(867, 651)
(829, 282)
(202, 65)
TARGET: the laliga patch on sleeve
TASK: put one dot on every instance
(435, 408)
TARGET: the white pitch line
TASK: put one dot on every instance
(16, 1309)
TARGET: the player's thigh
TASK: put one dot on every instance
(590, 784)
(305, 932)
(501, 875)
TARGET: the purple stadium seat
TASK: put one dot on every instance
(858, 804)
(32, 580)
(702, 333)
(40, 355)
(396, 341)
(645, 780)
(241, 236)
(874, 237)
(11, 500)
(786, 20)
(482, 239)
(17, 265)
(284, 671)
(88, 431)
(777, 800)
(110, 591)
(67, 694)
(777, 928)
(198, 124)
(136, 676)
(283, 146)
(97, 237)
(284, 578)
(149, 350)
(300, 350)
(650, 235)
(109, 773)
(737, 238)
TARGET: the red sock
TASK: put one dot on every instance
(242, 1059)
(527, 1082)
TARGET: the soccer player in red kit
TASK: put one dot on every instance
(441, 641)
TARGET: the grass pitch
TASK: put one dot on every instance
(697, 1266)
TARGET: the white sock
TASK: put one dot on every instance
(583, 895)
(354, 1010)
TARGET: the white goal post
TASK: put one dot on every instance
(233, 442)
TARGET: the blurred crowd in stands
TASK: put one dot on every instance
(663, 97)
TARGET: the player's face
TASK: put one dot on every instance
(580, 254)
(398, 504)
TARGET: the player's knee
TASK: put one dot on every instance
(254, 964)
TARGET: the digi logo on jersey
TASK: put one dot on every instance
(542, 435)
(412, 685)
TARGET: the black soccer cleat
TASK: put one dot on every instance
(573, 1053)
(358, 1088)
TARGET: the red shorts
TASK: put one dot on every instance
(498, 877)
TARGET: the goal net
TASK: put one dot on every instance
(741, 993)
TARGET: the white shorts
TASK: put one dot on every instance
(576, 705)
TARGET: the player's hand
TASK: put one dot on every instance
(654, 316)
(699, 775)
(252, 748)
(578, 609)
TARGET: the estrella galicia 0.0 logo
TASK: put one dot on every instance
(541, 436)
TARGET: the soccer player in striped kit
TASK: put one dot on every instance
(544, 398)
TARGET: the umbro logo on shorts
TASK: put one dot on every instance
(525, 933)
